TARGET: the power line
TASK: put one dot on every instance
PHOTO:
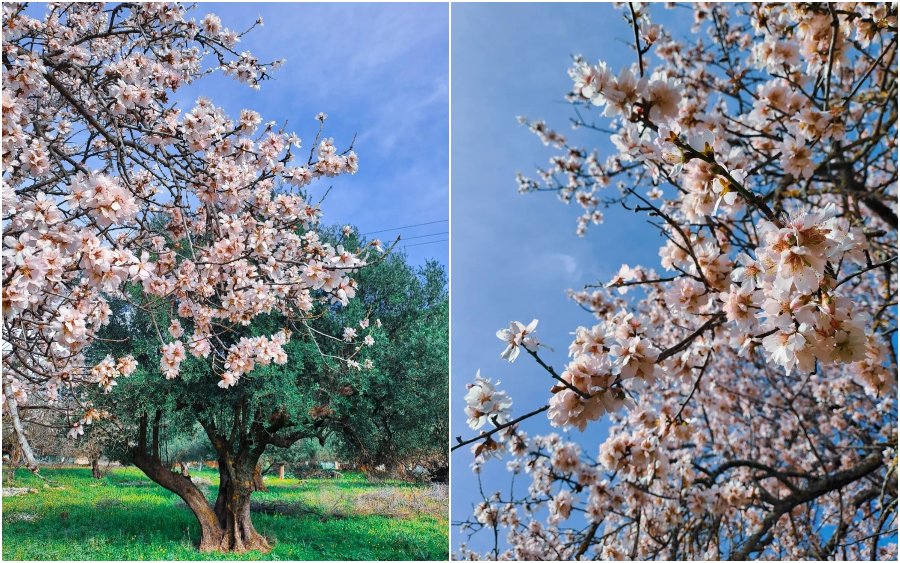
(421, 243)
(406, 227)
(428, 235)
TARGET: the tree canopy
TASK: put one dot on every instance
(119, 205)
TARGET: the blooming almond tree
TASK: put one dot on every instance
(112, 191)
(748, 380)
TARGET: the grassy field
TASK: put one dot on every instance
(125, 516)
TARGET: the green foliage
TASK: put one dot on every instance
(391, 414)
(397, 413)
(292, 388)
(125, 516)
(189, 446)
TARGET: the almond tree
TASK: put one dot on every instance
(749, 379)
(112, 190)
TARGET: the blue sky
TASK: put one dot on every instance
(379, 71)
(515, 255)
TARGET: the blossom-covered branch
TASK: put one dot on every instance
(749, 380)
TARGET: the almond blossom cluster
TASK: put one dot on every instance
(107, 371)
(247, 353)
(111, 191)
(485, 403)
(810, 321)
(739, 398)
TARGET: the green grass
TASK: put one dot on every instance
(125, 516)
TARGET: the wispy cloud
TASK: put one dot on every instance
(380, 72)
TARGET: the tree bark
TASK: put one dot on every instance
(258, 483)
(212, 535)
(95, 467)
(226, 526)
(24, 446)
(236, 483)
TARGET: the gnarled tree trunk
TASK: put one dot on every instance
(237, 481)
(226, 526)
(212, 535)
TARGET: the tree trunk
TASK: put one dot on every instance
(212, 535)
(95, 467)
(258, 483)
(236, 484)
(225, 526)
(281, 471)
(13, 410)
